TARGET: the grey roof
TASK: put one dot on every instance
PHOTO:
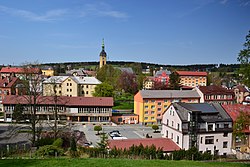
(169, 93)
(77, 79)
(159, 73)
(79, 72)
(213, 112)
(126, 69)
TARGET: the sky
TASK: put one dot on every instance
(169, 32)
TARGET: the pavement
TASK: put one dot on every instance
(129, 131)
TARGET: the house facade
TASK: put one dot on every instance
(19, 72)
(240, 143)
(70, 86)
(72, 109)
(240, 93)
(162, 77)
(192, 78)
(216, 94)
(205, 126)
(150, 104)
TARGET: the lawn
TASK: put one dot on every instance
(112, 162)
(123, 105)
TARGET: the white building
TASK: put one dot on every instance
(205, 126)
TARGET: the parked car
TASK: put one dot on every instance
(114, 133)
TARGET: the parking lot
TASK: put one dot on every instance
(127, 131)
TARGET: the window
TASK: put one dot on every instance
(146, 107)
(178, 126)
(87, 92)
(172, 135)
(152, 112)
(165, 100)
(226, 125)
(153, 107)
(159, 103)
(87, 86)
(159, 109)
(210, 127)
(152, 118)
(177, 140)
(201, 139)
(172, 123)
(146, 112)
(146, 118)
(152, 101)
(166, 133)
(167, 122)
(225, 144)
(225, 134)
(165, 106)
(67, 84)
(158, 115)
(209, 140)
(146, 101)
(70, 84)
(67, 90)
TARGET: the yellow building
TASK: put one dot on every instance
(103, 56)
(150, 104)
(48, 71)
(70, 86)
(192, 78)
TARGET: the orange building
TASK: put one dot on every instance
(150, 104)
(125, 118)
(192, 78)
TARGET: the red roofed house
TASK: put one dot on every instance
(75, 109)
(18, 71)
(242, 144)
(192, 78)
(217, 94)
(166, 144)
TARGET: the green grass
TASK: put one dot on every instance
(112, 162)
(123, 105)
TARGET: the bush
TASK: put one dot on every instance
(44, 141)
(49, 150)
(58, 142)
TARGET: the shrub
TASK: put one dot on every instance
(58, 142)
(98, 128)
(49, 150)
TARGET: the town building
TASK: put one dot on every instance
(241, 93)
(148, 82)
(165, 144)
(240, 143)
(150, 104)
(192, 78)
(216, 94)
(47, 71)
(205, 126)
(70, 86)
(19, 72)
(103, 56)
(124, 118)
(72, 109)
(162, 77)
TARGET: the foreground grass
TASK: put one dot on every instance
(112, 162)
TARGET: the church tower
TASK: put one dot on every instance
(103, 56)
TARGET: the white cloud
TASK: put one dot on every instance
(102, 10)
(47, 16)
(223, 2)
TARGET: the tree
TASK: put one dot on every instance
(244, 59)
(102, 145)
(104, 90)
(158, 85)
(155, 128)
(98, 128)
(174, 81)
(108, 74)
(127, 82)
(240, 124)
(18, 115)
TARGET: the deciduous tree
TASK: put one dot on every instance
(104, 90)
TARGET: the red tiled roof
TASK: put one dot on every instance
(19, 70)
(62, 100)
(8, 82)
(166, 144)
(191, 73)
(214, 89)
(234, 109)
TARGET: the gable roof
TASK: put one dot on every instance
(234, 109)
(169, 94)
(208, 112)
(166, 144)
(191, 73)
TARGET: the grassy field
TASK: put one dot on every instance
(112, 162)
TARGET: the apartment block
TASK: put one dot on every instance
(192, 78)
(150, 104)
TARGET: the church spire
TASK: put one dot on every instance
(103, 44)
